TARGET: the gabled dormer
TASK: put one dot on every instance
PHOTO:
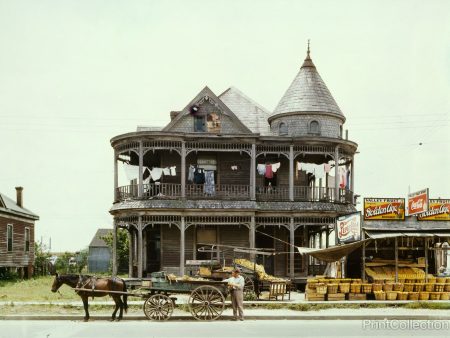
(206, 113)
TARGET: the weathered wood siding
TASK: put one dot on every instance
(281, 259)
(234, 235)
(99, 259)
(18, 257)
(228, 176)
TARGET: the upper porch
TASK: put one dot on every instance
(234, 168)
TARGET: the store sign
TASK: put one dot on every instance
(348, 228)
(439, 210)
(418, 202)
(384, 209)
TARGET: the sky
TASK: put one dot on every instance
(74, 74)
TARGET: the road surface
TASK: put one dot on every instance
(247, 329)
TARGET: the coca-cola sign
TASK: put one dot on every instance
(439, 210)
(418, 202)
(348, 228)
(384, 209)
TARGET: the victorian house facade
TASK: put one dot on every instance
(227, 171)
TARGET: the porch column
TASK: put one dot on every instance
(182, 229)
(116, 177)
(183, 169)
(305, 243)
(336, 174)
(396, 259)
(130, 253)
(251, 236)
(352, 175)
(141, 165)
(140, 248)
(291, 249)
(114, 251)
(253, 173)
(363, 272)
(291, 172)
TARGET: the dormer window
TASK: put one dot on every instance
(282, 129)
(207, 123)
(314, 127)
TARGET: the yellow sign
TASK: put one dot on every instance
(438, 210)
(388, 209)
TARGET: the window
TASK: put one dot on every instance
(27, 239)
(314, 127)
(207, 123)
(340, 130)
(282, 129)
(9, 235)
(199, 124)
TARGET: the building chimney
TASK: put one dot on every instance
(19, 196)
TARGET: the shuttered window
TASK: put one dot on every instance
(27, 239)
(9, 235)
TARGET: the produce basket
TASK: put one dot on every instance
(344, 287)
(377, 287)
(355, 288)
(402, 295)
(357, 280)
(408, 287)
(418, 287)
(366, 288)
(445, 296)
(428, 287)
(431, 279)
(398, 287)
(332, 288)
(424, 295)
(439, 287)
(441, 280)
(388, 287)
(413, 296)
(435, 295)
(380, 295)
(410, 280)
(391, 295)
(447, 287)
(321, 288)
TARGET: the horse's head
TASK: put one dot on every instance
(57, 282)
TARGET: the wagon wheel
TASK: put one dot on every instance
(158, 307)
(249, 286)
(206, 303)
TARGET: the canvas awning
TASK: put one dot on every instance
(332, 254)
(391, 234)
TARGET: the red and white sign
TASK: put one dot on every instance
(418, 202)
(348, 228)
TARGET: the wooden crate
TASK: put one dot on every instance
(357, 296)
(313, 296)
(335, 296)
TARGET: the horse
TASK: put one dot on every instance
(100, 287)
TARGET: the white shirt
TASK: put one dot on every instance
(239, 280)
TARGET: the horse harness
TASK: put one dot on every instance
(82, 284)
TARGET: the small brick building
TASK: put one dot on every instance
(16, 235)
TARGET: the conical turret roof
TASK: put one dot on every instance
(307, 93)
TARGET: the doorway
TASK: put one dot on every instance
(153, 248)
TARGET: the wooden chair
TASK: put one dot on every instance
(277, 289)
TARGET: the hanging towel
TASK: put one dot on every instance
(173, 171)
(166, 171)
(319, 171)
(269, 173)
(132, 171)
(208, 187)
(275, 167)
(156, 173)
(342, 177)
(299, 166)
(327, 167)
(309, 167)
(261, 169)
(191, 173)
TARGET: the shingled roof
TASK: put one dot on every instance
(7, 205)
(97, 240)
(251, 114)
(307, 93)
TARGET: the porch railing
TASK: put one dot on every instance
(233, 192)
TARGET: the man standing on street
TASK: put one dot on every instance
(236, 284)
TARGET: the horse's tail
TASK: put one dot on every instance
(125, 296)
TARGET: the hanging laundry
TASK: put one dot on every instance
(199, 176)
(342, 177)
(275, 167)
(173, 171)
(191, 173)
(156, 173)
(309, 167)
(299, 166)
(319, 171)
(209, 187)
(347, 186)
(234, 167)
(261, 169)
(327, 167)
(269, 172)
(131, 171)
